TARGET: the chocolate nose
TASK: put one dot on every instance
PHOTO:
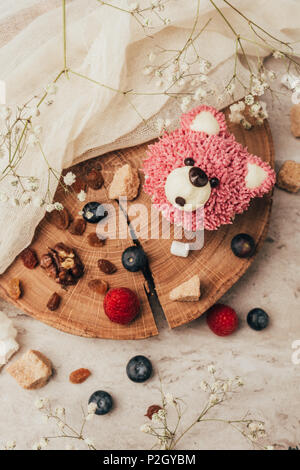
(198, 177)
(180, 201)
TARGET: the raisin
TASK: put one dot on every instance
(95, 241)
(153, 409)
(94, 179)
(14, 289)
(60, 219)
(106, 266)
(54, 302)
(99, 286)
(29, 258)
(78, 227)
(79, 376)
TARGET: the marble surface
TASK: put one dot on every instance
(180, 356)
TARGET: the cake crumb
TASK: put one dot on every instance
(288, 177)
(32, 370)
(295, 120)
(126, 183)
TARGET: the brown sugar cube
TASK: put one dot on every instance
(32, 370)
(126, 183)
(189, 291)
(288, 177)
(295, 120)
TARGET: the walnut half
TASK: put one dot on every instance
(63, 265)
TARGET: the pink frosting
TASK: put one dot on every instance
(222, 158)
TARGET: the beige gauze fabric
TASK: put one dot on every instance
(109, 46)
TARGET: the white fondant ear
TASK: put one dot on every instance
(205, 122)
(255, 176)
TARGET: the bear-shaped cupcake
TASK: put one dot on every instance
(199, 176)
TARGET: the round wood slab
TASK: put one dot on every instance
(81, 311)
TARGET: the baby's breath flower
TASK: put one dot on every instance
(58, 206)
(69, 179)
(89, 442)
(200, 93)
(170, 399)
(272, 75)
(249, 99)
(39, 403)
(204, 385)
(269, 448)
(211, 369)
(214, 399)
(10, 445)
(51, 89)
(25, 199)
(230, 88)
(14, 182)
(145, 428)
(246, 124)
(162, 413)
(31, 184)
(81, 196)
(278, 55)
(239, 381)
(155, 418)
(50, 208)
(60, 412)
(92, 408)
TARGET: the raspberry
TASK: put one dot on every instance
(121, 305)
(222, 320)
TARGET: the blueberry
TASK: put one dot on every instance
(134, 259)
(93, 212)
(103, 401)
(258, 319)
(139, 369)
(243, 245)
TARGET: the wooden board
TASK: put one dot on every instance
(81, 312)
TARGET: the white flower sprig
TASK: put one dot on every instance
(65, 430)
(218, 391)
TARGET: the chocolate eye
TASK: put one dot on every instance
(189, 162)
(214, 182)
(198, 177)
(180, 201)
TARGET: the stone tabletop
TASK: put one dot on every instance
(180, 357)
